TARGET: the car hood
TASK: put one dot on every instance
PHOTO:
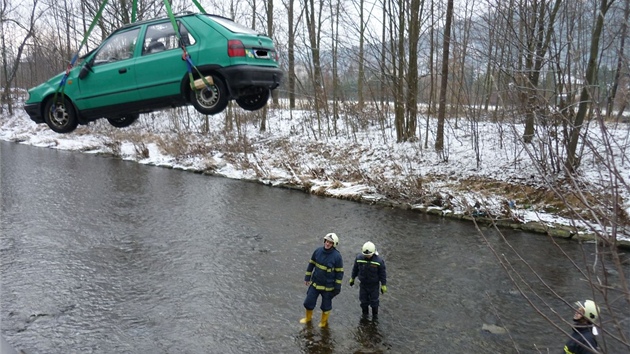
(37, 93)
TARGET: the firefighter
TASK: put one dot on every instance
(582, 339)
(324, 274)
(370, 268)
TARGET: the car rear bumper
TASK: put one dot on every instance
(242, 77)
(33, 110)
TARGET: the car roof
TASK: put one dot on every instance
(177, 15)
(157, 19)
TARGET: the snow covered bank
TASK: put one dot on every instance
(490, 180)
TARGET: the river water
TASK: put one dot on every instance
(101, 255)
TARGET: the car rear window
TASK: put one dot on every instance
(232, 26)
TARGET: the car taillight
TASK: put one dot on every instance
(236, 48)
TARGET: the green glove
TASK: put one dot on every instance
(383, 289)
(351, 281)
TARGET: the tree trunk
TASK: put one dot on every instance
(538, 39)
(431, 76)
(399, 74)
(415, 9)
(573, 160)
(383, 54)
(439, 140)
(334, 15)
(291, 54)
(271, 33)
(620, 59)
(361, 69)
(313, 24)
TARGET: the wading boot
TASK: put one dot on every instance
(324, 321)
(365, 312)
(308, 318)
(374, 313)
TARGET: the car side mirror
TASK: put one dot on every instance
(85, 70)
(184, 40)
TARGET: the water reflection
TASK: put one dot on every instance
(369, 338)
(315, 340)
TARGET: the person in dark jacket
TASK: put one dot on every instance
(324, 274)
(370, 268)
(582, 339)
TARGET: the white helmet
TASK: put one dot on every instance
(332, 237)
(591, 310)
(368, 249)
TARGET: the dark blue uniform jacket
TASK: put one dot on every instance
(370, 271)
(584, 335)
(325, 269)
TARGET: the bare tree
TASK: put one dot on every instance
(537, 30)
(398, 68)
(291, 25)
(439, 140)
(431, 73)
(10, 66)
(416, 9)
(620, 58)
(361, 68)
(573, 160)
(314, 23)
(335, 7)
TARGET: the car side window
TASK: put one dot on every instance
(187, 38)
(161, 37)
(119, 46)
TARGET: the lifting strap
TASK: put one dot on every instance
(134, 10)
(185, 56)
(62, 84)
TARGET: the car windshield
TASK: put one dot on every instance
(232, 26)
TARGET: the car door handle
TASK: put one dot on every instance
(122, 71)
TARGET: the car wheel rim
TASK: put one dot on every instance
(58, 115)
(208, 97)
(252, 99)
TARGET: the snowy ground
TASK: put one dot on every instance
(358, 163)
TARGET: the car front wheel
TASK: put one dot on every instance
(212, 99)
(124, 121)
(254, 102)
(60, 115)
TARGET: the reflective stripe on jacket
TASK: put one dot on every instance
(584, 335)
(325, 269)
(370, 271)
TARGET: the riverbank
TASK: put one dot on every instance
(515, 222)
(492, 185)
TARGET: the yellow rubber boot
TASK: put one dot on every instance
(324, 320)
(308, 318)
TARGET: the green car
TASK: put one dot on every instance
(141, 68)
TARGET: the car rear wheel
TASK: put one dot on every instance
(124, 121)
(255, 101)
(212, 99)
(60, 115)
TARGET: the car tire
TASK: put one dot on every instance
(124, 121)
(256, 101)
(63, 118)
(212, 99)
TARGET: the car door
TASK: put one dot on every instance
(111, 80)
(159, 67)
